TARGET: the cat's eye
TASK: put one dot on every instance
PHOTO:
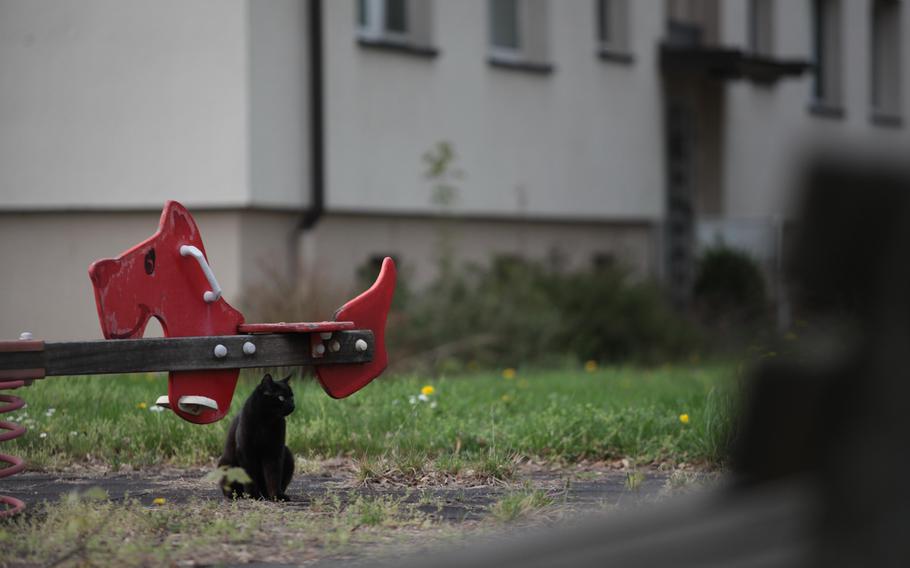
(281, 397)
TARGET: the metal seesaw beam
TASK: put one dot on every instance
(24, 359)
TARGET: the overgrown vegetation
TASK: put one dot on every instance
(92, 530)
(729, 287)
(518, 311)
(475, 423)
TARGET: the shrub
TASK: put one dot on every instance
(729, 286)
(516, 311)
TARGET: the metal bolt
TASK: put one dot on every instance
(335, 346)
(319, 349)
(220, 351)
(25, 336)
(326, 335)
(249, 348)
(360, 345)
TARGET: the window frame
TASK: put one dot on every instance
(826, 97)
(500, 52)
(531, 19)
(761, 39)
(885, 80)
(616, 46)
(374, 27)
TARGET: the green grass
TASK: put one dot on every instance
(90, 530)
(520, 504)
(479, 421)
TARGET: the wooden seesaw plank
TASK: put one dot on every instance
(185, 353)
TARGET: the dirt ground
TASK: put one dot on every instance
(456, 505)
(582, 487)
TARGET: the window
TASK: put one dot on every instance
(826, 52)
(504, 34)
(518, 34)
(400, 25)
(885, 64)
(383, 19)
(761, 27)
(613, 27)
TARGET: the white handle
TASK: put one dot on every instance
(210, 295)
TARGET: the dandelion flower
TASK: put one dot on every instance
(158, 501)
(590, 365)
(509, 373)
(433, 404)
(423, 398)
(74, 433)
(142, 406)
(506, 398)
(684, 418)
(427, 390)
(42, 435)
(412, 399)
(156, 408)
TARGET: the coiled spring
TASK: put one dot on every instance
(9, 431)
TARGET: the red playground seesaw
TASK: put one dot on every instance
(206, 341)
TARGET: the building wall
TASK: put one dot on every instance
(122, 104)
(773, 126)
(45, 258)
(341, 243)
(584, 141)
(278, 90)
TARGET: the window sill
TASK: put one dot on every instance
(398, 47)
(520, 65)
(827, 110)
(886, 120)
(616, 56)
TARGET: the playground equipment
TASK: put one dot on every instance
(206, 340)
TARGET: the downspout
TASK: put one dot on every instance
(313, 213)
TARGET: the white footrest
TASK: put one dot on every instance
(191, 404)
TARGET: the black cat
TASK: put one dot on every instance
(255, 442)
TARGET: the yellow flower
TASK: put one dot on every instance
(506, 398)
(509, 373)
(591, 366)
(158, 501)
(427, 390)
(684, 418)
(141, 406)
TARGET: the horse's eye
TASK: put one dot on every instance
(150, 262)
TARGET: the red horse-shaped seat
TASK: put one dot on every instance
(167, 277)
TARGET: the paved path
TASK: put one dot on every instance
(461, 502)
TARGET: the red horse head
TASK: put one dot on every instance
(154, 279)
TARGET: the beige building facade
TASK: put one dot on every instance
(294, 130)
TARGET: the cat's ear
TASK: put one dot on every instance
(287, 379)
(267, 379)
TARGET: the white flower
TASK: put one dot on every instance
(42, 435)
(74, 433)
(433, 404)
(412, 399)
(423, 397)
(156, 408)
